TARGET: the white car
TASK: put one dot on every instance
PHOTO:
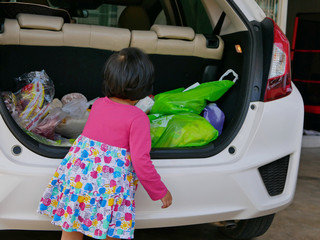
(240, 180)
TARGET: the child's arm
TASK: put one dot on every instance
(140, 146)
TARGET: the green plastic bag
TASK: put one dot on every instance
(193, 101)
(181, 130)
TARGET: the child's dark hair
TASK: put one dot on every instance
(128, 74)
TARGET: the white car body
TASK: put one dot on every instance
(217, 188)
(225, 186)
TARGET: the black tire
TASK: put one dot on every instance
(250, 228)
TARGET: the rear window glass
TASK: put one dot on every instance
(194, 15)
(108, 15)
(105, 15)
(189, 13)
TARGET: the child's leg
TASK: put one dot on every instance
(71, 235)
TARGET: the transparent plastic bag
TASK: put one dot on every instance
(68, 120)
(76, 108)
(77, 115)
(36, 92)
(72, 127)
(41, 76)
(11, 103)
(46, 127)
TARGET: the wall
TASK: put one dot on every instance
(299, 6)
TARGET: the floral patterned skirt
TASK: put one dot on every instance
(92, 191)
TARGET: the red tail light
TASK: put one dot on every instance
(279, 80)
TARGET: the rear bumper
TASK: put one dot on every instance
(230, 186)
(225, 186)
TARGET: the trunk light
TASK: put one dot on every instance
(238, 48)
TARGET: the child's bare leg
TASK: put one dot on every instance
(71, 235)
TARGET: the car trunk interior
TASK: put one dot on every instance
(79, 69)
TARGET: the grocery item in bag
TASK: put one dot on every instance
(68, 120)
(145, 104)
(72, 127)
(46, 127)
(215, 116)
(36, 92)
(11, 103)
(41, 76)
(77, 108)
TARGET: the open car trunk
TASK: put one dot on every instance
(78, 69)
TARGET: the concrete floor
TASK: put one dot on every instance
(300, 221)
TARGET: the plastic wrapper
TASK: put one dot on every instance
(43, 117)
(71, 97)
(41, 76)
(76, 108)
(181, 130)
(33, 98)
(145, 104)
(11, 103)
(193, 100)
(56, 103)
(215, 116)
(59, 141)
(46, 127)
(65, 119)
(68, 121)
(72, 125)
(37, 117)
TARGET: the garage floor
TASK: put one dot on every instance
(301, 220)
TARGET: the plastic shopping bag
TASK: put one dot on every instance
(46, 127)
(215, 116)
(72, 127)
(11, 103)
(193, 101)
(73, 124)
(33, 98)
(37, 76)
(181, 130)
(68, 120)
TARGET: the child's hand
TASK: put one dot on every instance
(166, 200)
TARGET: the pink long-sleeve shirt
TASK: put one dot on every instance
(128, 127)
